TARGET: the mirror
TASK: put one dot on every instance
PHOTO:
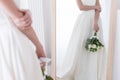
(116, 63)
(68, 45)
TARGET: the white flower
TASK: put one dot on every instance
(94, 46)
(98, 47)
(93, 37)
(89, 46)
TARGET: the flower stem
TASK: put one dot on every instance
(95, 34)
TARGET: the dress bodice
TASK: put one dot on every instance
(88, 2)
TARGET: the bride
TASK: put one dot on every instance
(18, 41)
(79, 64)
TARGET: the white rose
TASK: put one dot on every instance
(89, 46)
(94, 46)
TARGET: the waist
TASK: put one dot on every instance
(88, 12)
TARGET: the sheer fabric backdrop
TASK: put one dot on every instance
(41, 15)
(116, 64)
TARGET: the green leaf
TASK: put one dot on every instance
(43, 71)
(95, 34)
(49, 78)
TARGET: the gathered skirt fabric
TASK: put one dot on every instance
(18, 59)
(79, 64)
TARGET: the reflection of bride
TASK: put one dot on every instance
(78, 63)
(18, 59)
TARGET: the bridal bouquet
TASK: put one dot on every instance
(44, 71)
(93, 44)
(46, 77)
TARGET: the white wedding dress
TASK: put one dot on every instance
(78, 63)
(18, 60)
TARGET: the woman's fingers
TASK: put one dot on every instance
(98, 8)
(43, 64)
(23, 24)
(26, 16)
(25, 21)
(96, 27)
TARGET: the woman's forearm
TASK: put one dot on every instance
(86, 8)
(30, 33)
(97, 13)
(96, 18)
(10, 9)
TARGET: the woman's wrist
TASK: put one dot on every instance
(41, 56)
(40, 52)
(97, 8)
(44, 59)
(94, 7)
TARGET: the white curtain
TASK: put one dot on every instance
(47, 10)
(47, 28)
(105, 15)
(116, 63)
(37, 16)
(118, 1)
(41, 15)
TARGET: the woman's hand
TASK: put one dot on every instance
(43, 64)
(96, 27)
(98, 8)
(24, 22)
